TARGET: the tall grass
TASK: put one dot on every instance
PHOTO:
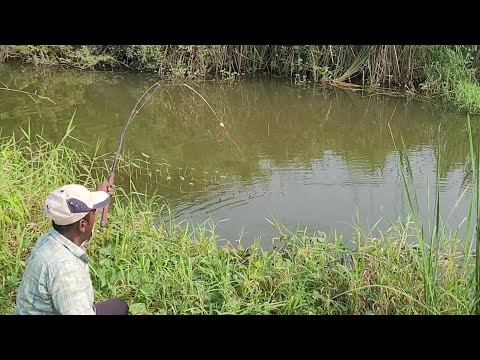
(430, 250)
(160, 267)
(475, 166)
(444, 70)
(447, 71)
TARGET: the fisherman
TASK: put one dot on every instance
(56, 279)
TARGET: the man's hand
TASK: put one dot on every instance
(106, 186)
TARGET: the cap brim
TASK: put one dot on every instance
(99, 199)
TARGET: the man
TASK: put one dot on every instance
(57, 278)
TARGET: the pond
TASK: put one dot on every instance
(303, 156)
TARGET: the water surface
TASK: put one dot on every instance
(302, 156)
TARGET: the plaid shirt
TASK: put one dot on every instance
(56, 279)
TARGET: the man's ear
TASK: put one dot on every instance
(82, 225)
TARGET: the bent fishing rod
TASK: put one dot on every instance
(134, 113)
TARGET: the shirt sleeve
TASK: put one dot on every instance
(70, 290)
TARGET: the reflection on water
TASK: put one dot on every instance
(309, 158)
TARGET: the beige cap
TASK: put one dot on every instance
(70, 203)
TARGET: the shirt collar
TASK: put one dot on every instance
(74, 249)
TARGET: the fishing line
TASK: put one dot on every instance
(145, 97)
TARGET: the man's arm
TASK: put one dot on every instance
(70, 290)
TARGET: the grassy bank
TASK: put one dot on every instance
(449, 72)
(165, 269)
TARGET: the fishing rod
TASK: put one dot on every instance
(134, 113)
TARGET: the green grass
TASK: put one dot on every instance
(467, 97)
(159, 267)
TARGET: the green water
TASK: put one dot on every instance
(307, 157)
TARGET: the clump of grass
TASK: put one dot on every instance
(83, 57)
(467, 96)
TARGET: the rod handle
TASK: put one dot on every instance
(103, 222)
